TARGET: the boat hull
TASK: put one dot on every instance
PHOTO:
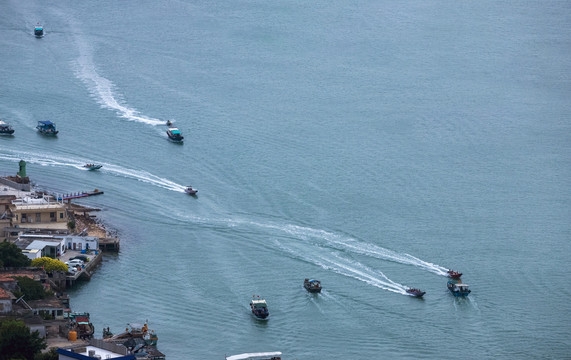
(312, 289)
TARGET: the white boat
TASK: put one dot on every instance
(275, 355)
(259, 308)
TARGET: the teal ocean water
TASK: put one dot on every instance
(369, 144)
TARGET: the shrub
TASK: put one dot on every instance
(49, 264)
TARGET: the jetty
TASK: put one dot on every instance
(77, 195)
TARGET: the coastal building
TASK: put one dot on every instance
(92, 352)
(55, 245)
(6, 299)
(51, 307)
(38, 213)
(42, 245)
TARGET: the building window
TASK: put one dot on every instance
(38, 217)
(24, 218)
(52, 216)
(61, 215)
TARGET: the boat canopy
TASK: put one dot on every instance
(259, 303)
(46, 123)
(253, 355)
(313, 280)
(175, 131)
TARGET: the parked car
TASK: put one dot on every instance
(71, 269)
(80, 257)
(74, 262)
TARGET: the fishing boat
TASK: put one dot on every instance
(80, 322)
(92, 166)
(458, 289)
(259, 308)
(39, 30)
(274, 355)
(5, 129)
(190, 191)
(174, 134)
(139, 331)
(313, 286)
(47, 128)
(415, 292)
(454, 274)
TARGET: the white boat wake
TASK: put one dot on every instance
(101, 88)
(52, 160)
(346, 267)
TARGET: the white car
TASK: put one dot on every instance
(74, 262)
(71, 269)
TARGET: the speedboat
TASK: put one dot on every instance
(92, 166)
(454, 274)
(313, 286)
(415, 292)
(274, 355)
(39, 30)
(47, 128)
(5, 129)
(174, 134)
(458, 289)
(190, 191)
(259, 308)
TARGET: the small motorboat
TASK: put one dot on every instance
(190, 191)
(259, 308)
(39, 30)
(454, 274)
(47, 128)
(415, 292)
(5, 129)
(92, 166)
(174, 134)
(313, 286)
(458, 289)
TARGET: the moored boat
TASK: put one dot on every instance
(39, 30)
(415, 292)
(312, 285)
(5, 129)
(92, 166)
(454, 274)
(175, 135)
(80, 322)
(190, 191)
(458, 289)
(47, 128)
(259, 308)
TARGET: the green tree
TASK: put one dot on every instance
(49, 264)
(31, 289)
(16, 341)
(12, 256)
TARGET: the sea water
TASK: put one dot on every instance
(371, 145)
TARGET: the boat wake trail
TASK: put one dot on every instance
(347, 267)
(352, 245)
(102, 89)
(52, 160)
